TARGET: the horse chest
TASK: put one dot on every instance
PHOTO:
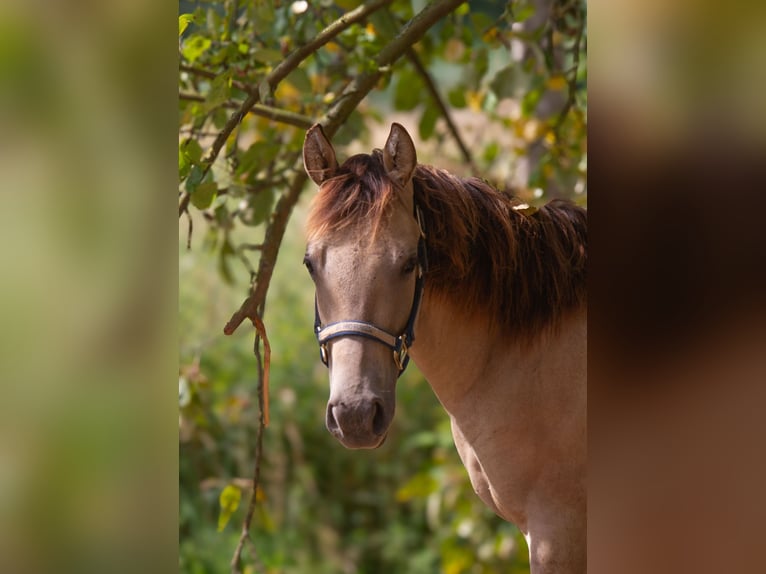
(494, 494)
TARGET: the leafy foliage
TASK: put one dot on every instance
(511, 91)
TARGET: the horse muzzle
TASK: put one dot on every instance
(362, 424)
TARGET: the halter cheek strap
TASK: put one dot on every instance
(398, 344)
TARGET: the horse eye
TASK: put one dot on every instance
(309, 266)
(410, 266)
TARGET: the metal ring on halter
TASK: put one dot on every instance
(400, 354)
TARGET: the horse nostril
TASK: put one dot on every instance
(378, 419)
(331, 421)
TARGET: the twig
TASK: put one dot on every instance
(412, 56)
(189, 232)
(269, 251)
(263, 421)
(197, 98)
(263, 393)
(282, 116)
(571, 82)
(212, 75)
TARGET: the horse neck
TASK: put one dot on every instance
(520, 412)
(463, 360)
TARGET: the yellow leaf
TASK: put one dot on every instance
(229, 502)
(556, 83)
(286, 92)
(550, 137)
(474, 100)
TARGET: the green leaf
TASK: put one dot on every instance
(196, 174)
(194, 47)
(427, 122)
(300, 80)
(407, 94)
(204, 194)
(183, 22)
(184, 164)
(219, 91)
(267, 56)
(257, 156)
(219, 117)
(258, 208)
(475, 72)
(490, 152)
(510, 82)
(456, 97)
(263, 18)
(229, 502)
(192, 149)
(419, 486)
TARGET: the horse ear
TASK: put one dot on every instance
(318, 155)
(399, 155)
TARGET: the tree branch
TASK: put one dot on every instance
(278, 74)
(571, 81)
(263, 405)
(410, 34)
(412, 56)
(275, 114)
(212, 75)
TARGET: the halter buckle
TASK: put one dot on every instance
(400, 354)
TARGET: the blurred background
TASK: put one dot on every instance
(89, 251)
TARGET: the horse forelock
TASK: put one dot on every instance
(358, 193)
(522, 272)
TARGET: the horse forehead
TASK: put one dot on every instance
(389, 240)
(364, 248)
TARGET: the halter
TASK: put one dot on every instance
(400, 345)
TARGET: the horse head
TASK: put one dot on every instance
(364, 256)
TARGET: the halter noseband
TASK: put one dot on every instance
(400, 345)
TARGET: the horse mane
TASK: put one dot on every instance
(522, 268)
(523, 271)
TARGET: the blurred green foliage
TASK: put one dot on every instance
(407, 506)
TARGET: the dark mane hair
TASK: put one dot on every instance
(522, 269)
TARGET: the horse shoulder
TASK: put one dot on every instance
(479, 479)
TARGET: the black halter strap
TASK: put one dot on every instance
(400, 344)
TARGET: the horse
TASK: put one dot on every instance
(495, 292)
